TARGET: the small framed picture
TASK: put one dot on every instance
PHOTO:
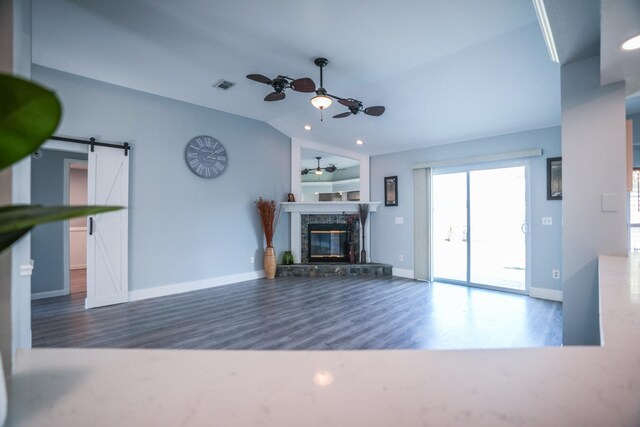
(291, 197)
(391, 191)
(554, 178)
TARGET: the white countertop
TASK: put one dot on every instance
(572, 386)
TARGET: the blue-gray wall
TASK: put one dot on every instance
(182, 228)
(47, 188)
(389, 240)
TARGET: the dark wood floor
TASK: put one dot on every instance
(309, 314)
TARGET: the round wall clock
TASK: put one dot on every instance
(206, 156)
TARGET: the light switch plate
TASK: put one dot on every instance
(399, 220)
(609, 202)
(547, 220)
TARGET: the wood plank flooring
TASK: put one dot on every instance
(306, 314)
(78, 280)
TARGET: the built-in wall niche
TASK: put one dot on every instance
(326, 176)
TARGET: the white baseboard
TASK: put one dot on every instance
(48, 294)
(78, 267)
(401, 272)
(544, 293)
(178, 288)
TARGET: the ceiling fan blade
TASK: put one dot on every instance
(304, 171)
(305, 85)
(259, 78)
(374, 111)
(342, 115)
(274, 96)
(348, 102)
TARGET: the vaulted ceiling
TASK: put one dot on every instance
(445, 70)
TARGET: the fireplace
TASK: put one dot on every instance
(328, 243)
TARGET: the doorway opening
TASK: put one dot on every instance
(480, 227)
(59, 248)
(76, 194)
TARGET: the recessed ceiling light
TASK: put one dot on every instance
(359, 142)
(307, 127)
(632, 44)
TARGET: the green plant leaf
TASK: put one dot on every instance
(16, 220)
(29, 114)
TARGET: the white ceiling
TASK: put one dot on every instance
(446, 70)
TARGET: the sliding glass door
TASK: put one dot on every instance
(479, 227)
(449, 201)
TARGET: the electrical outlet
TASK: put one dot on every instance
(400, 258)
(252, 260)
(547, 220)
(399, 220)
(555, 274)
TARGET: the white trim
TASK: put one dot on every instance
(48, 294)
(533, 152)
(78, 267)
(178, 288)
(76, 229)
(545, 26)
(402, 272)
(545, 293)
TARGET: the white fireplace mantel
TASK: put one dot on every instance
(296, 209)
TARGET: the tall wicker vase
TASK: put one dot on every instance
(270, 262)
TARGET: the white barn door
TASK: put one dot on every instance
(107, 239)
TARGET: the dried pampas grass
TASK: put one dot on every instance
(269, 212)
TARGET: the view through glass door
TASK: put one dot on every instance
(479, 227)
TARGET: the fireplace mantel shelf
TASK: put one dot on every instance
(325, 207)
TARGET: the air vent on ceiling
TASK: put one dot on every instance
(224, 84)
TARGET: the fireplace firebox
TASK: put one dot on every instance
(328, 243)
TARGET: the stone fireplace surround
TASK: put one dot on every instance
(299, 209)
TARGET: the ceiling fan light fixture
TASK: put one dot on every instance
(318, 171)
(321, 100)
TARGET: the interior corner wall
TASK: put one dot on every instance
(389, 239)
(593, 166)
(182, 228)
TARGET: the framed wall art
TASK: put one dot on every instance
(554, 178)
(391, 191)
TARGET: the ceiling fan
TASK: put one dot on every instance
(318, 171)
(356, 107)
(323, 100)
(280, 83)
